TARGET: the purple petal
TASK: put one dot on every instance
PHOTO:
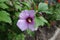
(22, 25)
(31, 26)
(24, 14)
(31, 13)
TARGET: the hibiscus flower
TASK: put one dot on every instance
(26, 20)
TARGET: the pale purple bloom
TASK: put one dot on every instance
(26, 20)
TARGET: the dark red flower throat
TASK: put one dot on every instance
(29, 20)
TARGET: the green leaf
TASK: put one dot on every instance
(18, 7)
(58, 17)
(48, 12)
(27, 4)
(57, 14)
(3, 5)
(5, 17)
(3, 0)
(31, 33)
(43, 19)
(17, 2)
(42, 7)
(20, 37)
(40, 21)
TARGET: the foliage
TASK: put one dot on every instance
(4, 16)
(9, 14)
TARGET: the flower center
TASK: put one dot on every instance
(29, 19)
